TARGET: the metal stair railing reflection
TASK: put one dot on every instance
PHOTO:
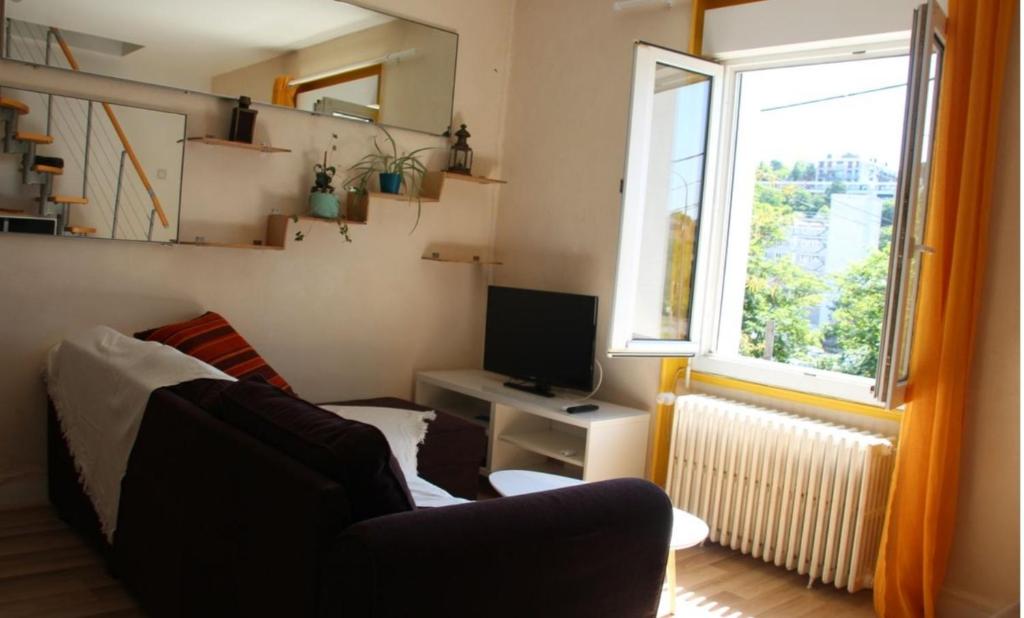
(89, 140)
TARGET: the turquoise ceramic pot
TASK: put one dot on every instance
(324, 205)
(390, 183)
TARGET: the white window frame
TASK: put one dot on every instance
(772, 373)
(621, 340)
(929, 32)
(887, 390)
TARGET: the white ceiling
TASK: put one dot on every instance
(206, 37)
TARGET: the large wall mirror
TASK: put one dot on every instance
(320, 56)
(88, 168)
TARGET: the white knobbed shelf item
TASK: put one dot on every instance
(795, 491)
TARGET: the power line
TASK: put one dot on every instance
(833, 98)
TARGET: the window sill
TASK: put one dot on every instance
(824, 389)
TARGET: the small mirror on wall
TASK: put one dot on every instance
(88, 168)
(319, 56)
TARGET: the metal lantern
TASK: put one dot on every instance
(460, 159)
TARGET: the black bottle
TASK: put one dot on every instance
(243, 121)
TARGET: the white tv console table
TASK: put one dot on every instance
(531, 432)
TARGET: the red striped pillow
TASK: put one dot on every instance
(211, 339)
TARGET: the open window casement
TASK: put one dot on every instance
(670, 159)
(679, 217)
(912, 198)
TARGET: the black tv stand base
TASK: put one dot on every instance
(537, 389)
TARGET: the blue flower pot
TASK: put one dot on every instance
(390, 183)
(324, 205)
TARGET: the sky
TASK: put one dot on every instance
(869, 124)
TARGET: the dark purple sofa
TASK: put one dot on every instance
(226, 514)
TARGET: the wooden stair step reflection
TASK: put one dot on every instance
(38, 138)
(47, 169)
(14, 104)
(68, 199)
(77, 229)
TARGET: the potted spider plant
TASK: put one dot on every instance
(395, 172)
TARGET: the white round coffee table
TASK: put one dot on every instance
(687, 531)
(519, 482)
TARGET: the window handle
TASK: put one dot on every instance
(925, 249)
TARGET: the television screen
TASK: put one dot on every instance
(543, 337)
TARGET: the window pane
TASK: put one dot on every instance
(920, 213)
(674, 187)
(818, 147)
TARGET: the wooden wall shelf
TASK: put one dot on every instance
(281, 228)
(358, 209)
(214, 141)
(231, 245)
(480, 180)
(482, 262)
(460, 254)
(399, 197)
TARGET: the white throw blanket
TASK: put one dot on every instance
(404, 430)
(100, 382)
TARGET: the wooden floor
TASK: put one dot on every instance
(47, 571)
(715, 581)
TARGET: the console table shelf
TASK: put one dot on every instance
(554, 444)
(531, 432)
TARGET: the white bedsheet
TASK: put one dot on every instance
(100, 382)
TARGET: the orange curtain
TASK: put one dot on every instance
(920, 522)
(283, 93)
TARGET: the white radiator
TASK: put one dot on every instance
(798, 492)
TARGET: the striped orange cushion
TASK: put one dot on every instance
(211, 339)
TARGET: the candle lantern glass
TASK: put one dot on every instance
(460, 159)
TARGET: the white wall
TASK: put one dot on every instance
(787, 22)
(558, 224)
(337, 320)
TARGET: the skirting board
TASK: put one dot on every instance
(22, 489)
(962, 604)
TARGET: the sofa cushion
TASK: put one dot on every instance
(213, 340)
(353, 454)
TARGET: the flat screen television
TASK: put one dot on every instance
(545, 339)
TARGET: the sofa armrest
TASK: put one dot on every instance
(598, 549)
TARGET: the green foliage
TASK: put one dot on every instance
(803, 171)
(858, 312)
(778, 290)
(836, 187)
(389, 161)
(781, 293)
(888, 211)
(342, 229)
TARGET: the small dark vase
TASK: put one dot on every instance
(390, 182)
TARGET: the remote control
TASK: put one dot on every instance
(586, 407)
